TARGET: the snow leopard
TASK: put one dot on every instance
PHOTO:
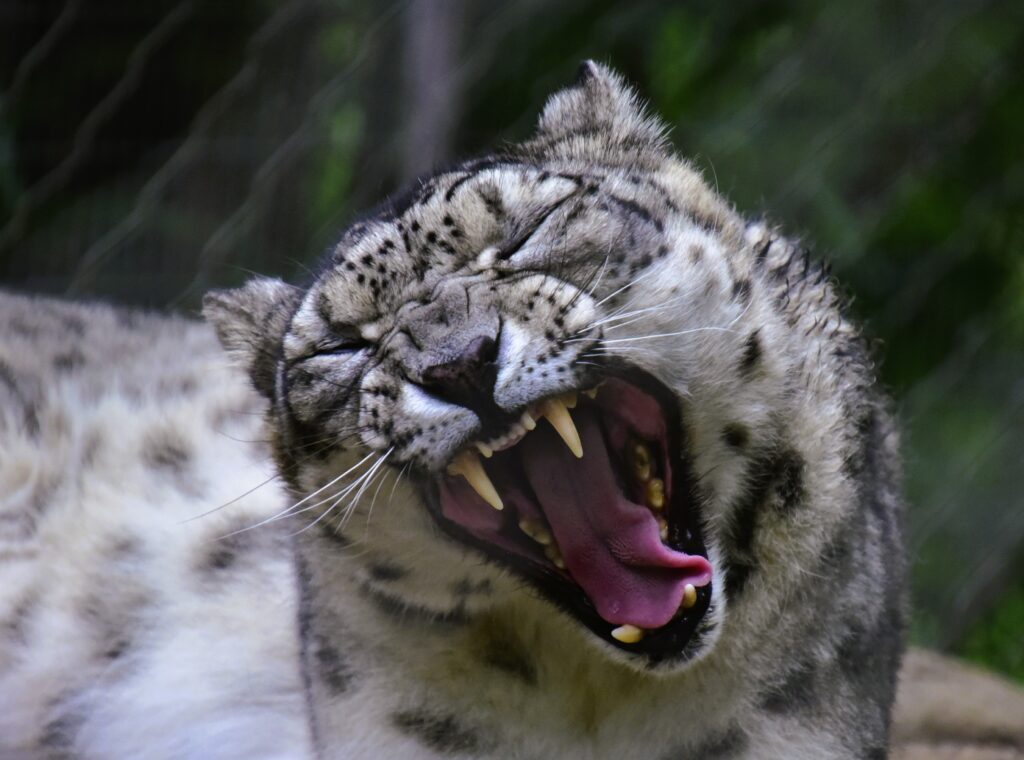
(556, 455)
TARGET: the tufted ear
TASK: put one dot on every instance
(250, 322)
(600, 100)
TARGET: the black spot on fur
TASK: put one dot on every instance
(74, 326)
(221, 557)
(441, 733)
(116, 648)
(739, 561)
(23, 392)
(166, 450)
(468, 587)
(868, 656)
(762, 253)
(387, 572)
(790, 481)
(735, 435)
(16, 626)
(68, 361)
(334, 671)
(751, 354)
(737, 573)
(492, 202)
(634, 208)
(450, 192)
(407, 612)
(511, 659)
(781, 470)
(741, 291)
(796, 693)
(710, 222)
(23, 329)
(58, 734)
(232, 543)
(730, 744)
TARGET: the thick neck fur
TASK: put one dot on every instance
(443, 636)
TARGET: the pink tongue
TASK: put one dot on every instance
(611, 546)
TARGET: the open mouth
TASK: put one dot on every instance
(589, 497)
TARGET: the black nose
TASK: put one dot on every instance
(468, 378)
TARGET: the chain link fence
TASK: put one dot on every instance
(150, 151)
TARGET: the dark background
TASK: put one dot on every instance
(151, 149)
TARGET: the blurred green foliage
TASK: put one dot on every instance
(887, 135)
(995, 641)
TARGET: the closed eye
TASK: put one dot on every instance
(345, 348)
(516, 244)
(342, 348)
(342, 339)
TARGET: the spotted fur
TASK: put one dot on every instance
(369, 632)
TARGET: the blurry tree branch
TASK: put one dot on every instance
(432, 88)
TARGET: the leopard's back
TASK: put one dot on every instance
(131, 621)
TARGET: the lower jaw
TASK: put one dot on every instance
(677, 641)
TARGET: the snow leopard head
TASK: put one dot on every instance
(566, 355)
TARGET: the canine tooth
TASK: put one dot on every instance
(655, 493)
(467, 464)
(537, 531)
(556, 413)
(628, 634)
(527, 421)
(591, 393)
(689, 596)
(552, 553)
(640, 458)
(484, 449)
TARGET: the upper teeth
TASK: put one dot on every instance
(556, 410)
(467, 464)
(508, 440)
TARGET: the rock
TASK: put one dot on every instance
(947, 710)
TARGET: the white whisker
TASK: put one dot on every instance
(629, 284)
(291, 509)
(391, 496)
(364, 481)
(373, 501)
(669, 334)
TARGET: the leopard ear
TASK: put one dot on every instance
(600, 100)
(250, 322)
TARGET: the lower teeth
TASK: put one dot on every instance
(552, 553)
(655, 493)
(689, 597)
(536, 530)
(628, 634)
